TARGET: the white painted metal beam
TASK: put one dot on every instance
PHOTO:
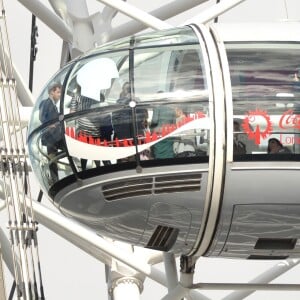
(171, 270)
(164, 12)
(2, 281)
(49, 18)
(99, 248)
(246, 286)
(176, 294)
(23, 91)
(81, 27)
(6, 250)
(213, 12)
(266, 277)
(137, 14)
(91, 243)
(60, 8)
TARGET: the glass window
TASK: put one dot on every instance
(266, 98)
(168, 37)
(157, 110)
(46, 145)
(53, 87)
(136, 106)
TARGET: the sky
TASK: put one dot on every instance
(68, 273)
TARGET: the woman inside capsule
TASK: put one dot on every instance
(275, 146)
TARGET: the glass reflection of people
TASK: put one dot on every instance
(122, 119)
(276, 147)
(296, 87)
(125, 90)
(92, 126)
(185, 145)
(296, 76)
(162, 116)
(238, 146)
(52, 136)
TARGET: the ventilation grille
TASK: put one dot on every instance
(271, 257)
(152, 185)
(163, 238)
(275, 244)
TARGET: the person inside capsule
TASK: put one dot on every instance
(96, 126)
(297, 75)
(162, 115)
(296, 87)
(125, 92)
(129, 121)
(52, 136)
(184, 146)
(238, 146)
(89, 84)
(276, 147)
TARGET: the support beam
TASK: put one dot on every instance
(176, 294)
(163, 13)
(23, 91)
(96, 246)
(137, 14)
(213, 11)
(91, 243)
(246, 286)
(6, 250)
(266, 277)
(125, 280)
(60, 8)
(171, 270)
(49, 18)
(2, 281)
(82, 27)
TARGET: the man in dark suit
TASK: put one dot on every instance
(51, 135)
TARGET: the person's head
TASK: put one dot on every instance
(297, 75)
(236, 129)
(125, 90)
(274, 145)
(180, 110)
(102, 97)
(236, 126)
(54, 91)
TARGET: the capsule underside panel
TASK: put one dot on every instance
(137, 204)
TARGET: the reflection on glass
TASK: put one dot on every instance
(266, 94)
(173, 131)
(109, 119)
(52, 165)
(58, 79)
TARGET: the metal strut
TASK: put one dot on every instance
(14, 175)
(187, 264)
(33, 50)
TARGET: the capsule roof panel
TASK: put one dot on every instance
(178, 35)
(259, 31)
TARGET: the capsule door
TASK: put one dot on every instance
(260, 199)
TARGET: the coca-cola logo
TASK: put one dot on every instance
(257, 129)
(289, 120)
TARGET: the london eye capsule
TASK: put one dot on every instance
(184, 140)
